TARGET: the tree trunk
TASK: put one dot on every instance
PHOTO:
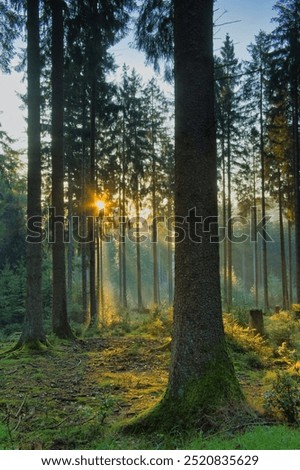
(101, 280)
(295, 69)
(285, 300)
(290, 261)
(59, 306)
(93, 299)
(138, 251)
(202, 379)
(263, 198)
(83, 220)
(255, 255)
(256, 321)
(70, 240)
(229, 221)
(154, 237)
(33, 330)
(154, 214)
(170, 257)
(225, 241)
(123, 222)
(255, 240)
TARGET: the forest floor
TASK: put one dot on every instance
(73, 395)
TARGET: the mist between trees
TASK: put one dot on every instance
(174, 229)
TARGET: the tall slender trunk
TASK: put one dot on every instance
(290, 261)
(170, 257)
(138, 249)
(285, 300)
(255, 241)
(120, 250)
(154, 234)
(225, 241)
(93, 299)
(100, 262)
(124, 220)
(255, 254)
(59, 304)
(83, 246)
(229, 215)
(70, 239)
(263, 196)
(33, 329)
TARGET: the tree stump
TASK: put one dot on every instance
(256, 321)
(277, 308)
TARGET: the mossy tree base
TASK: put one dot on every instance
(207, 404)
(30, 345)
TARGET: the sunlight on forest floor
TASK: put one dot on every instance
(73, 395)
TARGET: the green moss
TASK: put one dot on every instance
(216, 394)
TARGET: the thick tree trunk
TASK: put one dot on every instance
(33, 331)
(295, 70)
(59, 306)
(202, 378)
(297, 187)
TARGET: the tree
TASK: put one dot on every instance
(10, 24)
(202, 377)
(286, 64)
(230, 119)
(59, 306)
(33, 334)
(157, 106)
(154, 33)
(255, 89)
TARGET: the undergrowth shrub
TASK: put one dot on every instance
(241, 315)
(158, 322)
(284, 398)
(244, 339)
(281, 328)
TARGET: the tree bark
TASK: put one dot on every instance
(285, 297)
(263, 196)
(170, 257)
(123, 221)
(92, 246)
(59, 306)
(33, 333)
(138, 250)
(202, 378)
(290, 261)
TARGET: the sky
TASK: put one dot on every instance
(247, 17)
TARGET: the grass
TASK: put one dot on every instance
(76, 396)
